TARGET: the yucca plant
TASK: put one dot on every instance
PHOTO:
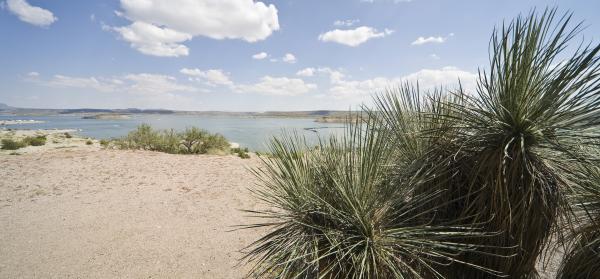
(335, 211)
(523, 132)
(582, 259)
(442, 185)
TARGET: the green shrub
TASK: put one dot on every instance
(89, 142)
(68, 135)
(241, 152)
(104, 143)
(214, 141)
(168, 142)
(9, 144)
(35, 141)
(244, 155)
(190, 141)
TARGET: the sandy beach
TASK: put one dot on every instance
(86, 212)
(70, 209)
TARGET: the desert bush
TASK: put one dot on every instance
(68, 135)
(214, 142)
(192, 138)
(89, 142)
(104, 143)
(9, 144)
(35, 141)
(241, 152)
(143, 137)
(190, 141)
(169, 142)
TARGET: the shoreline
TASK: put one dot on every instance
(19, 122)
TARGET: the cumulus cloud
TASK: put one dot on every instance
(31, 14)
(260, 56)
(431, 40)
(142, 83)
(183, 19)
(306, 72)
(98, 84)
(278, 86)
(347, 22)
(353, 37)
(212, 77)
(153, 40)
(434, 56)
(289, 58)
(33, 74)
(427, 78)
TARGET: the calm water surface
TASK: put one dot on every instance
(253, 133)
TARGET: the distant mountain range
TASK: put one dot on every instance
(5, 106)
(325, 115)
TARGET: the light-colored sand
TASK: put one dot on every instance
(90, 213)
(55, 139)
(72, 210)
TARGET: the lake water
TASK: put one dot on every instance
(253, 133)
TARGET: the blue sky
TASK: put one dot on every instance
(244, 55)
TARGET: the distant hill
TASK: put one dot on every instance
(5, 107)
(318, 115)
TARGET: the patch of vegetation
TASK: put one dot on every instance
(191, 141)
(89, 142)
(68, 135)
(104, 143)
(241, 152)
(10, 144)
(35, 141)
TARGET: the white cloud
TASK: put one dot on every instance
(260, 56)
(183, 19)
(278, 86)
(353, 37)
(431, 40)
(31, 14)
(98, 84)
(153, 40)
(335, 76)
(347, 22)
(213, 77)
(143, 83)
(33, 74)
(154, 84)
(289, 58)
(359, 90)
(434, 56)
(306, 72)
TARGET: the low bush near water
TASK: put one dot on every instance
(9, 144)
(35, 141)
(191, 141)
